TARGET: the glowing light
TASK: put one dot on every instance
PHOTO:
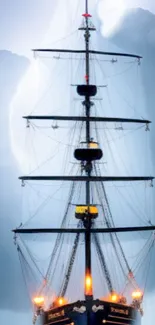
(114, 297)
(88, 281)
(60, 301)
(137, 294)
(39, 301)
(88, 285)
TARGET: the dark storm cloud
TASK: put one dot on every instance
(12, 294)
(137, 35)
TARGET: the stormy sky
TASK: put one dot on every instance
(25, 25)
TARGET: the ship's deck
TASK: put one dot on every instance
(93, 312)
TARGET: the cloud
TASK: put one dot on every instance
(134, 36)
(12, 68)
(111, 12)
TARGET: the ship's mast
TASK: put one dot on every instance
(87, 91)
(87, 105)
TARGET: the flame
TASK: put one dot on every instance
(60, 301)
(137, 294)
(114, 297)
(88, 281)
(39, 301)
(88, 285)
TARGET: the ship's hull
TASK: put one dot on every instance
(94, 312)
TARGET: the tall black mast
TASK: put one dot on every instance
(87, 105)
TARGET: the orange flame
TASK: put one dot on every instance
(137, 294)
(38, 301)
(60, 301)
(88, 285)
(114, 297)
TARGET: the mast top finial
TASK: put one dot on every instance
(86, 15)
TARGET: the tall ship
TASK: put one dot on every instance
(88, 279)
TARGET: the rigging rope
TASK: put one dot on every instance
(103, 262)
(70, 266)
(149, 264)
(104, 210)
(110, 221)
(20, 260)
(31, 257)
(59, 236)
(23, 260)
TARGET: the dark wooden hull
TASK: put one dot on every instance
(94, 312)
